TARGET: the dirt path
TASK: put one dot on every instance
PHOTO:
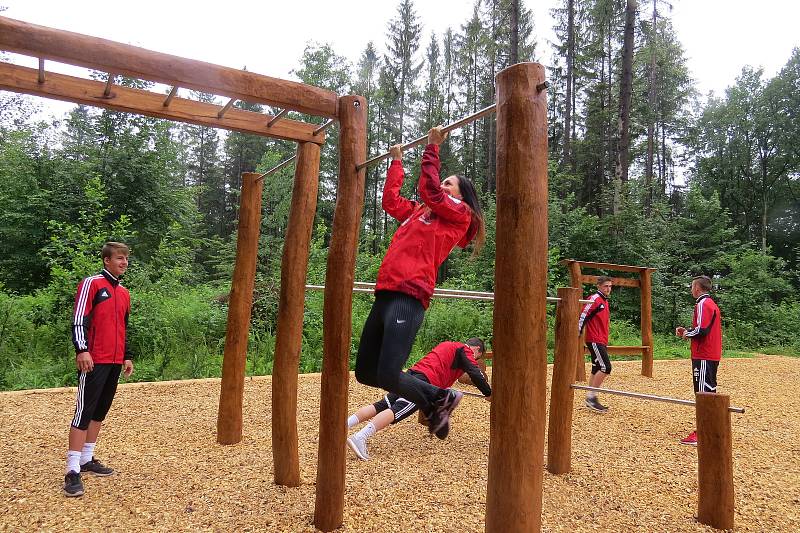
(629, 472)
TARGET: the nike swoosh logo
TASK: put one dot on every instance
(401, 321)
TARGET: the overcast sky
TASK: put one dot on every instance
(268, 37)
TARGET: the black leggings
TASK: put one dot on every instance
(385, 345)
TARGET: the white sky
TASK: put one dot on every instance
(268, 37)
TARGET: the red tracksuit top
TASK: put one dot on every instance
(595, 318)
(442, 369)
(100, 318)
(706, 332)
(428, 231)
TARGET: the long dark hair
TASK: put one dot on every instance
(470, 197)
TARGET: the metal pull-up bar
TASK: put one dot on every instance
(640, 396)
(416, 142)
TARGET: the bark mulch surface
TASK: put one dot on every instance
(629, 471)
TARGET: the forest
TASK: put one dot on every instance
(643, 170)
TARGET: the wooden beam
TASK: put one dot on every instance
(291, 305)
(559, 428)
(90, 92)
(234, 359)
(337, 318)
(110, 56)
(519, 384)
(603, 266)
(621, 282)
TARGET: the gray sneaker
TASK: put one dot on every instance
(595, 405)
(97, 468)
(359, 447)
(73, 486)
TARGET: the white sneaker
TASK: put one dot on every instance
(359, 447)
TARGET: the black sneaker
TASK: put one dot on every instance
(442, 410)
(443, 431)
(97, 468)
(595, 405)
(73, 486)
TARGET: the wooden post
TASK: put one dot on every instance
(715, 461)
(559, 433)
(647, 321)
(337, 311)
(715, 501)
(517, 421)
(294, 266)
(575, 280)
(229, 416)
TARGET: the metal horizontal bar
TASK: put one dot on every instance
(277, 117)
(40, 79)
(416, 142)
(226, 107)
(277, 167)
(641, 396)
(109, 84)
(323, 127)
(171, 95)
(363, 286)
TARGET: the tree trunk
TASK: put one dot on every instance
(651, 99)
(514, 57)
(621, 169)
(566, 157)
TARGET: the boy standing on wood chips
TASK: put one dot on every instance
(99, 324)
(706, 339)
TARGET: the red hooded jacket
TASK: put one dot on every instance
(428, 231)
(102, 307)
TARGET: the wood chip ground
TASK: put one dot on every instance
(629, 471)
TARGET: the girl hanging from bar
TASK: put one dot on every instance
(450, 215)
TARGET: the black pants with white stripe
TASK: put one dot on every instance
(704, 375)
(401, 407)
(385, 345)
(96, 390)
(599, 356)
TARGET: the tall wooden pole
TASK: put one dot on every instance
(514, 492)
(337, 310)
(647, 321)
(294, 266)
(559, 432)
(715, 500)
(580, 364)
(229, 416)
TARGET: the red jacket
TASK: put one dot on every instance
(100, 319)
(595, 318)
(706, 332)
(445, 364)
(427, 234)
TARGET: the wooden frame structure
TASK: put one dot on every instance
(578, 280)
(514, 493)
(715, 487)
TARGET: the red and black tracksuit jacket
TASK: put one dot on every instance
(100, 319)
(706, 332)
(595, 317)
(428, 231)
(447, 362)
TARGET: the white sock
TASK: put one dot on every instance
(87, 452)
(367, 431)
(352, 420)
(73, 461)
